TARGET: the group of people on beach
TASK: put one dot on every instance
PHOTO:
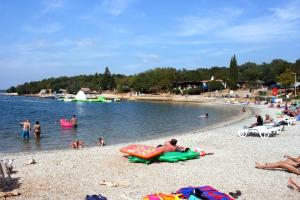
(290, 164)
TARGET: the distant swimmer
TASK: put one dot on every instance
(77, 144)
(74, 121)
(37, 129)
(204, 116)
(101, 142)
(26, 128)
(244, 109)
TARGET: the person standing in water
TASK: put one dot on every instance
(37, 129)
(74, 121)
(26, 128)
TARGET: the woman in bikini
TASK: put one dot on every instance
(37, 129)
(291, 164)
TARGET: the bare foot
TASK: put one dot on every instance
(293, 184)
(259, 165)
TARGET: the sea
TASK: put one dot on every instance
(122, 122)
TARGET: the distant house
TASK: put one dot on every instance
(45, 91)
(86, 90)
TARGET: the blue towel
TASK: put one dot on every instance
(95, 197)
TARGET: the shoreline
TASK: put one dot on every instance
(230, 168)
(233, 119)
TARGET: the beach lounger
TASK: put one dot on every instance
(262, 131)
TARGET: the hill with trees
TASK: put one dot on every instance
(162, 79)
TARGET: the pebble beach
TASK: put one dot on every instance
(73, 174)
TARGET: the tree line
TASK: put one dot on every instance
(163, 79)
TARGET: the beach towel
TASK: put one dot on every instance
(95, 197)
(178, 156)
(134, 159)
(161, 196)
(192, 197)
(209, 192)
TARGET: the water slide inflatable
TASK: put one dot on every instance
(66, 123)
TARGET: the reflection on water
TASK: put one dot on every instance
(115, 122)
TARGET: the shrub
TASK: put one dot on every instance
(193, 91)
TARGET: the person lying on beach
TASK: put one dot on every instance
(268, 119)
(293, 184)
(101, 142)
(259, 121)
(171, 146)
(291, 165)
(77, 144)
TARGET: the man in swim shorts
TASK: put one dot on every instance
(291, 164)
(26, 128)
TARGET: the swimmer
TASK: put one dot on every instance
(204, 116)
(37, 129)
(101, 142)
(74, 121)
(25, 128)
(77, 144)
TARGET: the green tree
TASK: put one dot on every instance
(214, 85)
(286, 79)
(233, 74)
(107, 82)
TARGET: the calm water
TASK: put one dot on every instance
(116, 122)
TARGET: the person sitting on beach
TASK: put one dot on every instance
(293, 184)
(25, 128)
(77, 144)
(244, 109)
(37, 129)
(290, 165)
(268, 119)
(259, 121)
(101, 142)
(74, 121)
(171, 146)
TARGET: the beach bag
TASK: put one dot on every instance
(207, 191)
(161, 196)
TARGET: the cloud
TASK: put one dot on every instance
(115, 7)
(200, 24)
(289, 12)
(52, 5)
(46, 29)
(148, 58)
(279, 23)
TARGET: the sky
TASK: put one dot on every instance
(51, 38)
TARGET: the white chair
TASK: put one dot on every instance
(262, 131)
